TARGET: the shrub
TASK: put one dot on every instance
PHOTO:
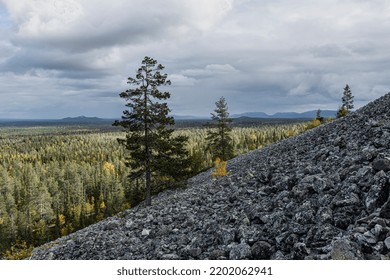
(312, 124)
(290, 133)
(342, 112)
(220, 168)
(20, 250)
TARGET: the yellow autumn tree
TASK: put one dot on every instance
(109, 167)
(312, 124)
(220, 168)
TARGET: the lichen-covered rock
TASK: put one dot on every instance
(321, 195)
(379, 191)
(344, 249)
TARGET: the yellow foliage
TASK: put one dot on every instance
(19, 251)
(109, 167)
(220, 168)
(343, 111)
(88, 208)
(314, 123)
(61, 219)
(164, 178)
(290, 133)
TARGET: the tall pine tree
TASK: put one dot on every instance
(219, 138)
(153, 152)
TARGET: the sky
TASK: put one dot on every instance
(61, 58)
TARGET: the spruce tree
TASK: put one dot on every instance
(219, 139)
(319, 117)
(347, 102)
(347, 98)
(153, 152)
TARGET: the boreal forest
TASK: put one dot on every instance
(57, 179)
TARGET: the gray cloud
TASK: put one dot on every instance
(73, 57)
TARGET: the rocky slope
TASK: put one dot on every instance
(323, 194)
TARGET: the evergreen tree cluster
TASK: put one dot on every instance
(53, 185)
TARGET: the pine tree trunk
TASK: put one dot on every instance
(148, 199)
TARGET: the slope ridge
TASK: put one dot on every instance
(323, 194)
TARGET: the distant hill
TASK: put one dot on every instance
(188, 117)
(259, 115)
(242, 116)
(287, 115)
(82, 119)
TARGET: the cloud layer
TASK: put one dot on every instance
(72, 57)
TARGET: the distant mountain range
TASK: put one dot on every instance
(65, 121)
(287, 115)
(82, 119)
(254, 115)
(261, 115)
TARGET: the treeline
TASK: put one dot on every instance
(52, 185)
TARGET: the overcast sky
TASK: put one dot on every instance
(62, 58)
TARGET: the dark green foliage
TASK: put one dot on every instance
(347, 102)
(347, 98)
(134, 193)
(153, 152)
(219, 138)
(198, 162)
(319, 117)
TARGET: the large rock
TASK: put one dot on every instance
(385, 210)
(379, 191)
(387, 243)
(344, 249)
(240, 251)
(382, 164)
(262, 250)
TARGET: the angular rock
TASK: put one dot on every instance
(378, 193)
(344, 249)
(218, 255)
(385, 210)
(382, 164)
(387, 243)
(240, 252)
(170, 257)
(261, 250)
(300, 251)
